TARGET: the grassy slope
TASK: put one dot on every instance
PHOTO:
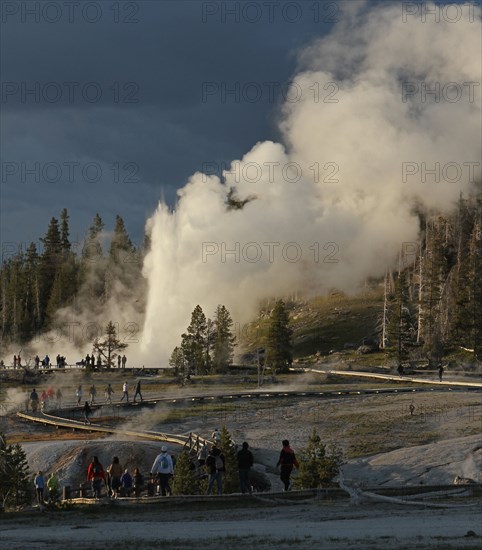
(323, 325)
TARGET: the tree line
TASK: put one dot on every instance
(35, 282)
(435, 303)
(207, 346)
(431, 303)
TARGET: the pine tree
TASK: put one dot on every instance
(224, 339)
(15, 293)
(66, 281)
(436, 269)
(33, 290)
(476, 288)
(15, 486)
(92, 249)
(121, 247)
(93, 264)
(231, 475)
(461, 287)
(401, 330)
(319, 465)
(49, 263)
(178, 363)
(194, 342)
(279, 346)
(186, 478)
(110, 344)
(124, 263)
(64, 231)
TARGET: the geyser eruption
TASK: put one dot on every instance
(334, 203)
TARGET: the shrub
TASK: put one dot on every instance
(319, 464)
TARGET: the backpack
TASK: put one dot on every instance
(164, 462)
(96, 469)
(218, 463)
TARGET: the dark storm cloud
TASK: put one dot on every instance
(128, 97)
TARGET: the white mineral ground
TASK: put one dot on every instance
(453, 422)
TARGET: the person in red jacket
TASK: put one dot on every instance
(287, 460)
(95, 474)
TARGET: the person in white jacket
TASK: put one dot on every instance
(163, 468)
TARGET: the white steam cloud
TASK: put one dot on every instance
(335, 202)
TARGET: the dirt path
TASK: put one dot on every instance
(333, 525)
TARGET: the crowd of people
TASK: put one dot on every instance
(50, 397)
(35, 401)
(120, 482)
(61, 361)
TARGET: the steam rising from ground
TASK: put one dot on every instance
(351, 209)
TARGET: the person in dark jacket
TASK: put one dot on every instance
(126, 483)
(34, 400)
(440, 372)
(215, 465)
(137, 391)
(245, 462)
(287, 460)
(87, 413)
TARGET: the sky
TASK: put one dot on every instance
(109, 107)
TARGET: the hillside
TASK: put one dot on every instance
(324, 324)
(331, 329)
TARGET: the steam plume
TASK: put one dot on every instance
(372, 57)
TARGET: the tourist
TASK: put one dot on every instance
(137, 391)
(78, 394)
(287, 460)
(125, 390)
(39, 483)
(216, 436)
(87, 413)
(53, 487)
(108, 394)
(115, 473)
(92, 394)
(164, 468)
(245, 462)
(34, 400)
(95, 474)
(126, 483)
(202, 455)
(216, 467)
